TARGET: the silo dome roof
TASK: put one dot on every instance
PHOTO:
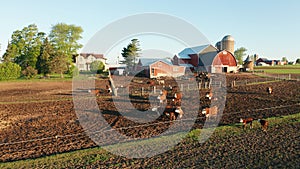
(228, 38)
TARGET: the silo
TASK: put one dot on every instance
(228, 43)
(248, 64)
(218, 45)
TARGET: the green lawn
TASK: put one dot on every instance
(283, 69)
(92, 155)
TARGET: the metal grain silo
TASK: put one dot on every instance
(227, 43)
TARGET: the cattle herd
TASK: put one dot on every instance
(170, 98)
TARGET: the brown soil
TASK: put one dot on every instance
(38, 119)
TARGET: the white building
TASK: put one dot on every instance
(84, 60)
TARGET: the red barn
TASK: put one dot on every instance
(154, 68)
(206, 58)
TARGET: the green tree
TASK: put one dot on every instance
(239, 54)
(97, 67)
(24, 47)
(9, 70)
(64, 38)
(130, 53)
(284, 59)
(43, 61)
(29, 72)
(73, 71)
(10, 53)
(58, 64)
(298, 61)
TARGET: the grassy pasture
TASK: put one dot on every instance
(284, 69)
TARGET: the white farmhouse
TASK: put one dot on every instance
(84, 60)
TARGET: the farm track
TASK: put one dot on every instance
(57, 122)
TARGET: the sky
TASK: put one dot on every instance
(269, 28)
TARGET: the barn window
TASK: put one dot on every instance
(81, 66)
(152, 71)
(175, 69)
(159, 64)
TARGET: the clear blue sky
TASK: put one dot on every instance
(268, 28)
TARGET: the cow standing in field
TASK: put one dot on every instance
(163, 97)
(269, 90)
(177, 98)
(94, 91)
(169, 111)
(210, 112)
(208, 95)
(247, 121)
(264, 124)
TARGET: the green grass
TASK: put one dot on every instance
(282, 69)
(92, 155)
(53, 77)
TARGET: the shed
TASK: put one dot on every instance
(154, 68)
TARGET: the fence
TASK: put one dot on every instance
(155, 90)
(265, 78)
(280, 76)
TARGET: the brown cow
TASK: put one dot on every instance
(94, 91)
(247, 121)
(269, 90)
(179, 111)
(210, 112)
(163, 96)
(169, 111)
(264, 124)
(208, 95)
(177, 98)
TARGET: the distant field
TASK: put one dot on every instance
(286, 69)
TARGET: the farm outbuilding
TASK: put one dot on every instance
(248, 64)
(206, 58)
(154, 68)
(219, 62)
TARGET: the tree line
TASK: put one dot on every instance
(31, 52)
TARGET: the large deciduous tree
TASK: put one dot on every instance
(130, 53)
(239, 54)
(64, 38)
(43, 64)
(24, 47)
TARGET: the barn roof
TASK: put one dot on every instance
(149, 61)
(184, 54)
(207, 59)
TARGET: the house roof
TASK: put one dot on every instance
(149, 61)
(263, 59)
(184, 54)
(98, 56)
(248, 59)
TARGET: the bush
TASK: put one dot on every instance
(73, 71)
(9, 71)
(29, 72)
(97, 67)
